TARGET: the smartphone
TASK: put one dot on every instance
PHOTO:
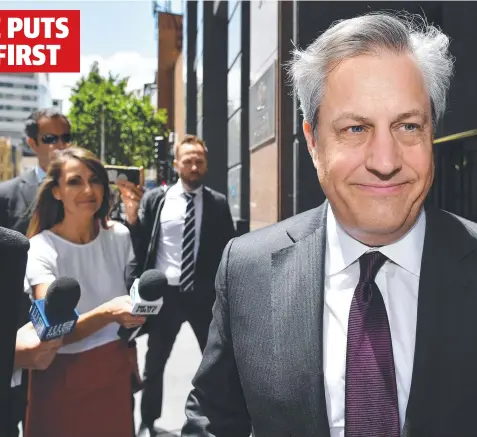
(131, 174)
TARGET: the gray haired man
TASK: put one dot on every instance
(355, 319)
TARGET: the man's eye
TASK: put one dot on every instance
(356, 129)
(410, 127)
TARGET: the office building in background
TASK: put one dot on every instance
(20, 95)
(58, 104)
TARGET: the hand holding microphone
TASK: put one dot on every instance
(31, 352)
(120, 310)
(147, 299)
(55, 315)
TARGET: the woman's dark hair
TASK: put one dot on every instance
(48, 210)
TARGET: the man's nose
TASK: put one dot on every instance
(384, 154)
(62, 144)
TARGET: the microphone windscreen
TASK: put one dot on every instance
(61, 299)
(13, 241)
(152, 285)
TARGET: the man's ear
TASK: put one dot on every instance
(32, 143)
(310, 140)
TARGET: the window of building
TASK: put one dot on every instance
(232, 5)
(200, 12)
(199, 129)
(200, 92)
(234, 81)
(235, 33)
(234, 139)
(16, 108)
(18, 85)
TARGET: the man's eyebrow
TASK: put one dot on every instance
(351, 116)
(362, 119)
(413, 113)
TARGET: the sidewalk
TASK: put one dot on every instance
(180, 369)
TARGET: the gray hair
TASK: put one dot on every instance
(369, 34)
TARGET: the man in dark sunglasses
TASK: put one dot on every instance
(46, 130)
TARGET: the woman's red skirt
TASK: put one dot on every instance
(84, 394)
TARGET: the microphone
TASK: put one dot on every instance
(13, 260)
(13, 242)
(56, 315)
(147, 298)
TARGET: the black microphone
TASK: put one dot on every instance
(147, 298)
(56, 315)
(15, 243)
(13, 260)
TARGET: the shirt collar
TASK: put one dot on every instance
(343, 250)
(178, 189)
(40, 174)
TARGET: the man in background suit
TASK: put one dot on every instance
(357, 318)
(46, 131)
(182, 232)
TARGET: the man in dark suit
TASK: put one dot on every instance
(357, 318)
(182, 232)
(46, 131)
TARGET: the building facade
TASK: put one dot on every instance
(10, 159)
(20, 95)
(58, 104)
(238, 97)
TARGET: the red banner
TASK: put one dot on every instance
(45, 41)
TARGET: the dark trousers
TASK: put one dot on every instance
(178, 307)
(18, 406)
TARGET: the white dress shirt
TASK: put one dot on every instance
(169, 253)
(40, 174)
(398, 281)
(16, 378)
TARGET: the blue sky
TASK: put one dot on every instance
(119, 34)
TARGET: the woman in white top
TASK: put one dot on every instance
(86, 391)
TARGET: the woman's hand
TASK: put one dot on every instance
(119, 310)
(31, 353)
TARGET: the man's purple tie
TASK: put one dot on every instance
(371, 401)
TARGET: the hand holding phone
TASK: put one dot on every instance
(129, 181)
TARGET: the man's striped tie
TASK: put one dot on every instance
(188, 245)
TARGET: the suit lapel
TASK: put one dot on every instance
(297, 314)
(28, 190)
(153, 244)
(29, 187)
(442, 279)
(207, 206)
